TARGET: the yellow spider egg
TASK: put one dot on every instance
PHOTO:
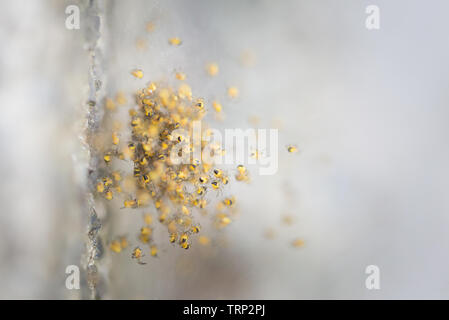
(212, 69)
(124, 242)
(203, 240)
(217, 106)
(150, 27)
(108, 195)
(233, 92)
(180, 76)
(137, 73)
(115, 246)
(292, 149)
(185, 245)
(175, 41)
(173, 237)
(107, 158)
(148, 219)
(100, 187)
(153, 251)
(297, 243)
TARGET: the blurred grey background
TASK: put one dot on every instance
(367, 109)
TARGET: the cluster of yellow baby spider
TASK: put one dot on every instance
(161, 124)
